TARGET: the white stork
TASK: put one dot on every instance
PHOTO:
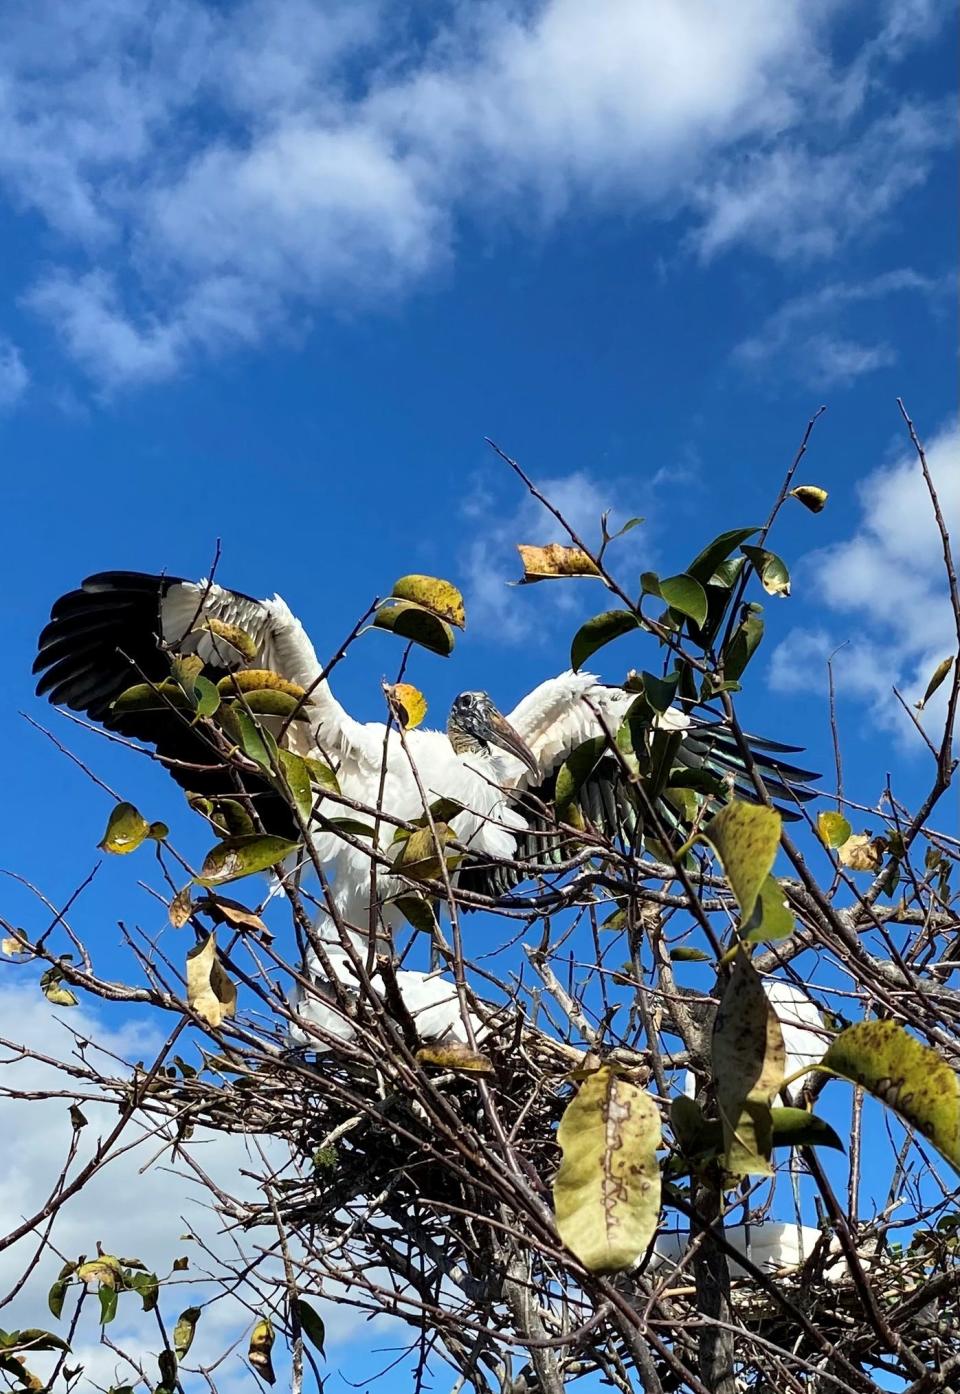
(120, 628)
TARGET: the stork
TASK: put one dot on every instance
(119, 628)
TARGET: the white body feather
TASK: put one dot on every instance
(554, 719)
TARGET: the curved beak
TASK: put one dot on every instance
(501, 733)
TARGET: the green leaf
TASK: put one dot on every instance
(441, 811)
(912, 1079)
(418, 857)
(108, 1303)
(322, 774)
(35, 1339)
(685, 594)
(607, 1190)
(145, 696)
(833, 829)
(159, 832)
(351, 826)
(417, 912)
(600, 630)
(772, 917)
(167, 1362)
(772, 571)
(208, 696)
(745, 836)
(748, 1064)
(148, 1287)
(296, 774)
(413, 622)
(254, 740)
(228, 816)
(185, 1330)
(56, 1297)
(795, 1127)
(311, 1324)
(743, 644)
(684, 954)
(242, 856)
(575, 771)
(126, 830)
(704, 565)
(439, 597)
(660, 692)
(694, 1133)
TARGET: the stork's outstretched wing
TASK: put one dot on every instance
(121, 628)
(567, 722)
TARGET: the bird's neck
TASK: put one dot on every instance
(465, 744)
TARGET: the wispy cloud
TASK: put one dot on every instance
(798, 202)
(809, 337)
(884, 594)
(211, 171)
(14, 378)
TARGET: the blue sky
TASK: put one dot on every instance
(271, 271)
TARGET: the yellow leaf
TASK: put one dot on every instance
(863, 852)
(184, 1331)
(440, 597)
(258, 1352)
(909, 1077)
(409, 705)
(181, 907)
(13, 944)
(748, 1057)
(126, 830)
(210, 993)
(811, 496)
(553, 561)
(745, 837)
(455, 1055)
(607, 1191)
(832, 828)
(258, 680)
(418, 854)
(237, 639)
(105, 1270)
(939, 673)
(52, 989)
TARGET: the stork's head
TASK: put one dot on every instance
(475, 725)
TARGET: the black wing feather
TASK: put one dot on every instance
(610, 802)
(105, 637)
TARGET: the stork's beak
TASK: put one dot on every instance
(501, 733)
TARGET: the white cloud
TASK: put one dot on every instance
(797, 202)
(884, 594)
(14, 378)
(133, 1214)
(234, 166)
(807, 337)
